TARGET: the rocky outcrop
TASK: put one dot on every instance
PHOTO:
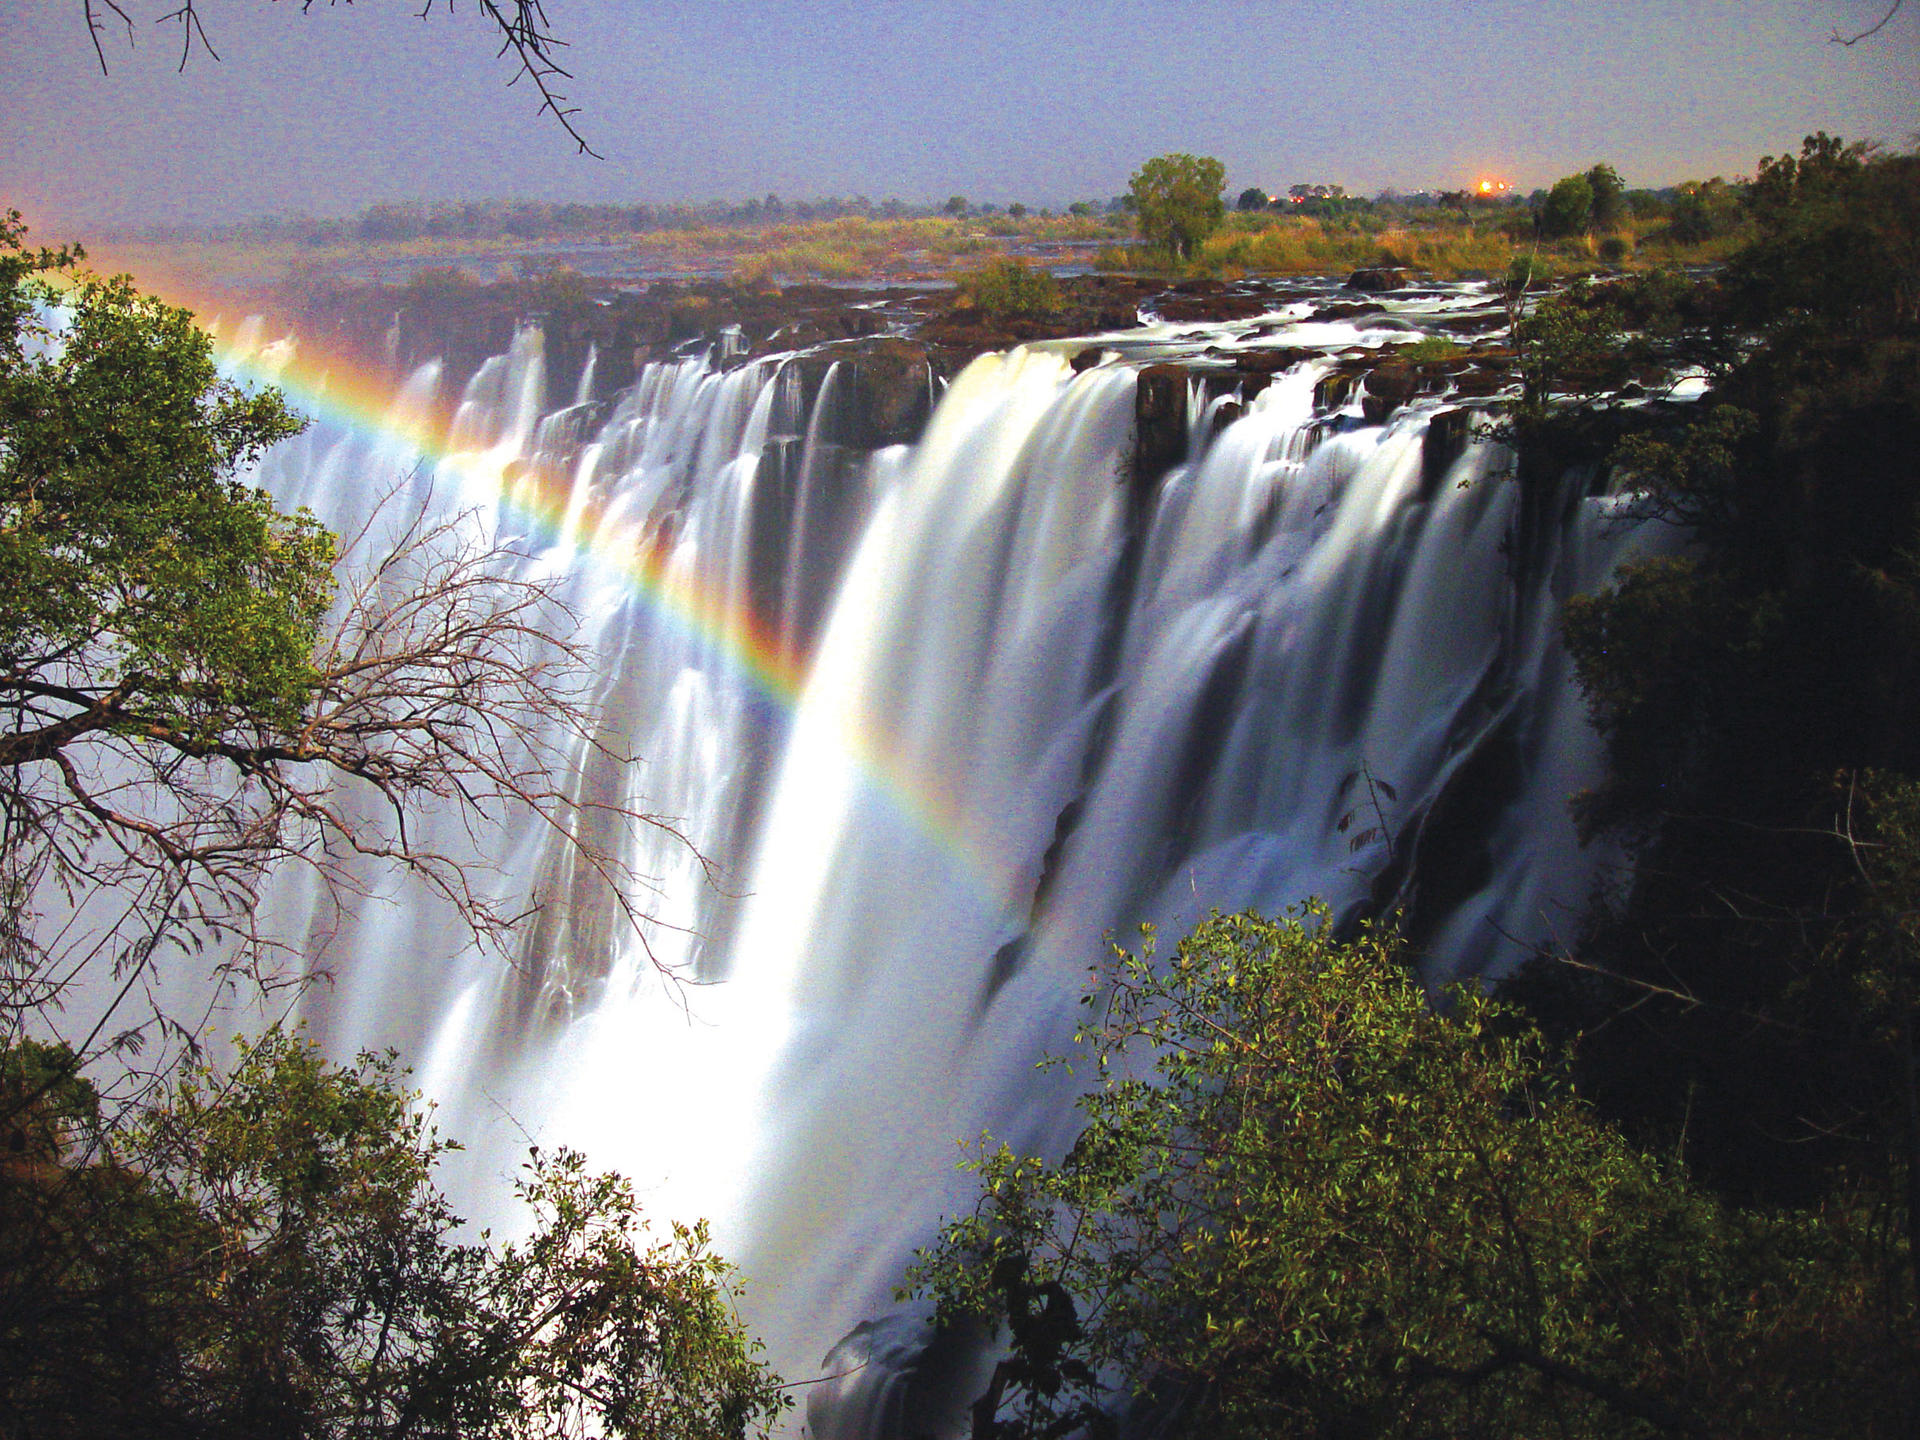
(1376, 278)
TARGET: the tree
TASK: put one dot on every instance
(1177, 200)
(189, 687)
(1608, 203)
(190, 696)
(1251, 199)
(1304, 1202)
(521, 26)
(1568, 208)
(263, 1252)
(1892, 10)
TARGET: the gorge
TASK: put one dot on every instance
(1180, 616)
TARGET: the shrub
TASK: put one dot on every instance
(1006, 288)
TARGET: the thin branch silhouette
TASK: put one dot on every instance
(1838, 39)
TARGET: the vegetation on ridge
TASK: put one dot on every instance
(1668, 1183)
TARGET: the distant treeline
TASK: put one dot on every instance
(527, 220)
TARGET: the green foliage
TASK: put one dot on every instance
(1177, 201)
(553, 288)
(1007, 288)
(1748, 994)
(1432, 347)
(1252, 199)
(1528, 272)
(1838, 241)
(1608, 203)
(131, 561)
(1304, 1202)
(1569, 207)
(263, 1252)
(1691, 220)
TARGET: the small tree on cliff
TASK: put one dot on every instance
(1178, 201)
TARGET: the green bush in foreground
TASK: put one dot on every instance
(263, 1253)
(1306, 1203)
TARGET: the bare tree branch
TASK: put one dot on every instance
(524, 32)
(448, 679)
(95, 26)
(1838, 39)
(188, 17)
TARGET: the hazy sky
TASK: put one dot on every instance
(995, 99)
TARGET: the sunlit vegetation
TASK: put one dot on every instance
(1002, 288)
(1456, 234)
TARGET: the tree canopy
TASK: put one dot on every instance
(1305, 1202)
(262, 1251)
(1178, 201)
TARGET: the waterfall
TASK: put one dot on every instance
(1040, 697)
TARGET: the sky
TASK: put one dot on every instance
(1000, 100)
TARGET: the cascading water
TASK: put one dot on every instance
(1043, 697)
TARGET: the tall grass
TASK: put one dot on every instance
(1304, 246)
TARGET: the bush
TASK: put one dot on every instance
(1690, 220)
(1528, 272)
(1305, 1203)
(1008, 288)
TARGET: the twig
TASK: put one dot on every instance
(1838, 39)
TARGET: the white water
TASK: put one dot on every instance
(1032, 717)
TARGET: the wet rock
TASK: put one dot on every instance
(1225, 414)
(1160, 420)
(1443, 444)
(1347, 309)
(1386, 390)
(1377, 278)
(1218, 306)
(1334, 390)
(1477, 384)
(1268, 362)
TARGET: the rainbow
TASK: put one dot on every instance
(340, 392)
